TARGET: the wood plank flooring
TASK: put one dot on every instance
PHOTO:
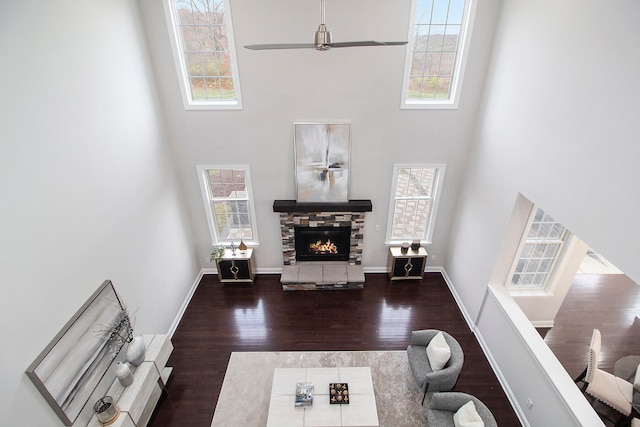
(222, 319)
(609, 302)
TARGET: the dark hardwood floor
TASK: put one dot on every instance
(608, 302)
(223, 319)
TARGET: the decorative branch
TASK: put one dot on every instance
(121, 332)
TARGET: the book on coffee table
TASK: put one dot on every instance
(304, 394)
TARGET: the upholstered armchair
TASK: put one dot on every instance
(443, 406)
(428, 379)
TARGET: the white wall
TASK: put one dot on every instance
(362, 85)
(559, 125)
(88, 188)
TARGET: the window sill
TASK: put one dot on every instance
(218, 105)
(429, 105)
(541, 292)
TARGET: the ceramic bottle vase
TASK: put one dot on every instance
(135, 351)
(123, 372)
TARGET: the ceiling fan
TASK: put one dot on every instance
(322, 40)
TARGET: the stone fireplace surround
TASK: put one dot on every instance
(320, 275)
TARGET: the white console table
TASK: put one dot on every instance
(138, 400)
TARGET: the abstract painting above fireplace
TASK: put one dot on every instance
(322, 243)
(322, 161)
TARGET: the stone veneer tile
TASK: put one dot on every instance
(322, 219)
(335, 274)
(289, 274)
(309, 273)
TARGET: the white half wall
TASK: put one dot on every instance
(88, 186)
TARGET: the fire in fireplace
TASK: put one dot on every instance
(322, 243)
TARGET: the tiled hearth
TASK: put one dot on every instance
(320, 275)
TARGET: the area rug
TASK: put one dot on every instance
(244, 397)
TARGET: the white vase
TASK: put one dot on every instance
(135, 351)
(123, 372)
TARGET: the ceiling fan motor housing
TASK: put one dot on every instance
(322, 37)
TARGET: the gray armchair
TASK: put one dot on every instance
(429, 380)
(443, 405)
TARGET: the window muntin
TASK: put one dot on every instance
(433, 67)
(414, 201)
(227, 194)
(205, 53)
(540, 249)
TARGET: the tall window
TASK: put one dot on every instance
(204, 51)
(539, 250)
(433, 68)
(414, 201)
(228, 199)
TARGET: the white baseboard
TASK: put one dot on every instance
(185, 304)
(277, 270)
(467, 317)
(542, 323)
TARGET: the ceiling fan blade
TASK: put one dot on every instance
(322, 40)
(365, 43)
(281, 46)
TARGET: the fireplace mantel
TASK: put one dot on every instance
(289, 206)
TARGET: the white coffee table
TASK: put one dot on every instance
(360, 412)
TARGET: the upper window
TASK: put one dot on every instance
(414, 201)
(228, 200)
(433, 68)
(202, 38)
(540, 248)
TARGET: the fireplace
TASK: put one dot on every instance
(348, 215)
(322, 243)
(335, 231)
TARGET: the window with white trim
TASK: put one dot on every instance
(540, 248)
(415, 192)
(436, 53)
(204, 51)
(228, 200)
